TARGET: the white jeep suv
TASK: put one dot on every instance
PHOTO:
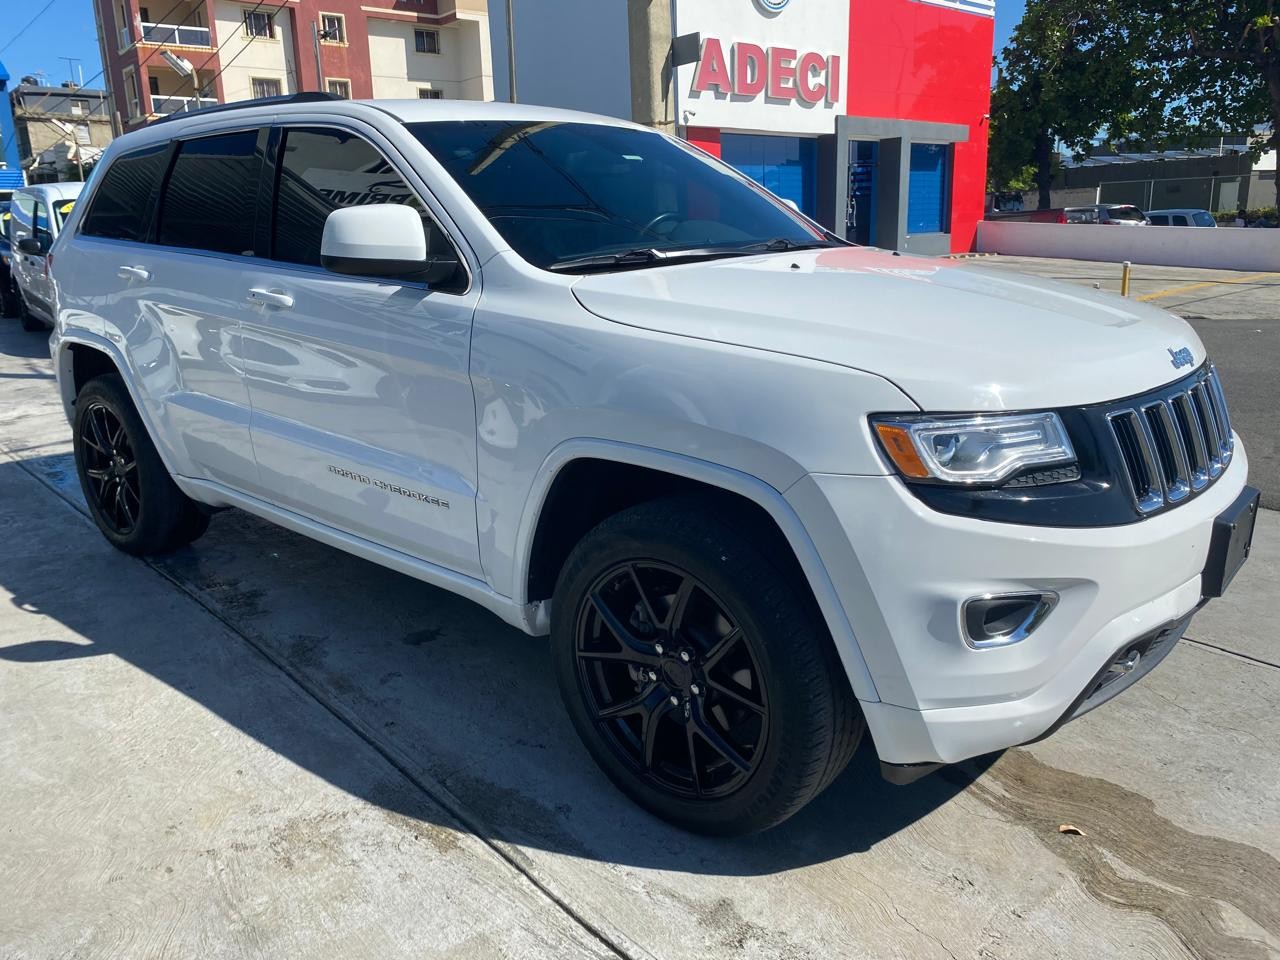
(765, 490)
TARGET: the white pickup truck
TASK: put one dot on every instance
(764, 490)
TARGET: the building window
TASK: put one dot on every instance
(79, 107)
(426, 93)
(257, 24)
(333, 28)
(153, 83)
(131, 95)
(269, 87)
(786, 166)
(426, 41)
(340, 88)
(929, 188)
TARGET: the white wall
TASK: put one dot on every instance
(1224, 248)
(398, 70)
(260, 58)
(813, 26)
(475, 57)
(574, 54)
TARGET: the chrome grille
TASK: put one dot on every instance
(1175, 443)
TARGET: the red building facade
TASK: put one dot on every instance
(163, 57)
(895, 157)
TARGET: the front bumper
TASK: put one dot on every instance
(902, 572)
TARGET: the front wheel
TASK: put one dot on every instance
(697, 671)
(131, 496)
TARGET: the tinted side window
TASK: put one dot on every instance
(121, 202)
(1160, 220)
(40, 226)
(322, 170)
(210, 199)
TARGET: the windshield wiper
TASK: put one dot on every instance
(643, 256)
(783, 244)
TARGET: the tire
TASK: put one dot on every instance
(131, 496)
(30, 322)
(762, 696)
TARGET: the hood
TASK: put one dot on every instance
(953, 336)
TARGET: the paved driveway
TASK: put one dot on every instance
(259, 746)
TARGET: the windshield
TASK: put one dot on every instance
(1125, 213)
(561, 193)
(1203, 219)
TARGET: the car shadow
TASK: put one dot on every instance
(463, 704)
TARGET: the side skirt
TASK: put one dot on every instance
(534, 618)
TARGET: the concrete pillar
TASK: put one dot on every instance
(891, 209)
(649, 23)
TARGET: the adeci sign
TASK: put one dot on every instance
(771, 65)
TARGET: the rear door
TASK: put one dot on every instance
(363, 415)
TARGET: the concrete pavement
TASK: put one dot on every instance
(336, 760)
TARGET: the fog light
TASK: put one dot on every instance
(998, 620)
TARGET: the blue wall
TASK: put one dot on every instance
(11, 175)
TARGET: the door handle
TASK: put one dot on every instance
(133, 273)
(270, 297)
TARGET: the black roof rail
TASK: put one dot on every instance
(309, 97)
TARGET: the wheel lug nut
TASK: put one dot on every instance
(684, 655)
(675, 701)
(658, 648)
(695, 689)
(653, 675)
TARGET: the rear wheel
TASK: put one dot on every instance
(697, 671)
(30, 322)
(130, 494)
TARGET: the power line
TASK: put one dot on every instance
(14, 38)
(143, 61)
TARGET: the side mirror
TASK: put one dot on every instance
(382, 240)
(32, 246)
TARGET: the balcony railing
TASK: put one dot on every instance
(163, 106)
(175, 33)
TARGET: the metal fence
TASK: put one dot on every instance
(1215, 194)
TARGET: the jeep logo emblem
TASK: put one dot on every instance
(1181, 357)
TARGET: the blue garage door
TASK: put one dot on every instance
(785, 165)
(929, 190)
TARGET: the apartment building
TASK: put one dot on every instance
(169, 56)
(60, 130)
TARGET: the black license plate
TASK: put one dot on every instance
(1232, 539)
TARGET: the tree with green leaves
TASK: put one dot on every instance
(1067, 73)
(1215, 64)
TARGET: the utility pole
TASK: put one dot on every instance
(511, 47)
(650, 26)
(315, 46)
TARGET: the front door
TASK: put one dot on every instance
(363, 415)
(864, 165)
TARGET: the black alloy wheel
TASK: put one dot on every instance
(671, 679)
(696, 667)
(131, 496)
(111, 468)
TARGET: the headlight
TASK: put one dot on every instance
(972, 449)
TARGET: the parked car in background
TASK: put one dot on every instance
(1181, 217)
(765, 490)
(1107, 214)
(36, 216)
(6, 278)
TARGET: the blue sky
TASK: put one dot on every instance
(1008, 13)
(67, 30)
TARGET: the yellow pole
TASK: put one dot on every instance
(1124, 278)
